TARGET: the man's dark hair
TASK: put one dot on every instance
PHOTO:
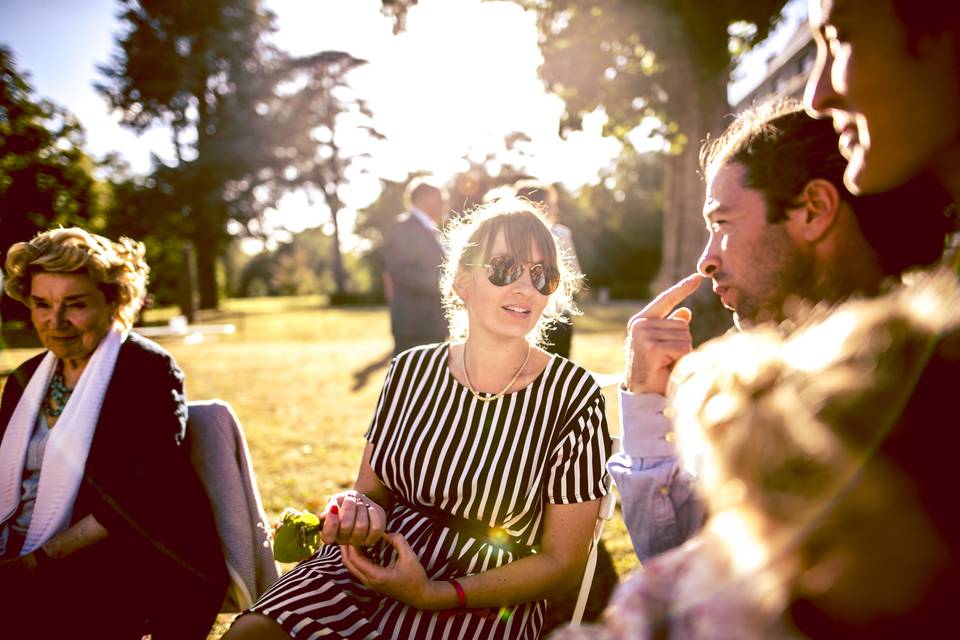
(781, 149)
(419, 187)
(921, 18)
(928, 17)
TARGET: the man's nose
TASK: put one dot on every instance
(819, 95)
(709, 261)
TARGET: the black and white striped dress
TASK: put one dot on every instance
(498, 462)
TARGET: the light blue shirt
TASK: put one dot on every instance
(660, 505)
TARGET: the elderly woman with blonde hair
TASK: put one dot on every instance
(105, 530)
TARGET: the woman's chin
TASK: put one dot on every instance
(518, 329)
(67, 352)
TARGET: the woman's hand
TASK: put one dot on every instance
(352, 518)
(403, 579)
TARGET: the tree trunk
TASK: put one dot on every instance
(208, 230)
(336, 258)
(188, 283)
(339, 276)
(207, 224)
(207, 254)
(684, 233)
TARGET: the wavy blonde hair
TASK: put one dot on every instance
(118, 268)
(469, 240)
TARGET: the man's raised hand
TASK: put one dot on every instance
(657, 338)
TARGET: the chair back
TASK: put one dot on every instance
(218, 451)
(608, 506)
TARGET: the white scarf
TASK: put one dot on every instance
(67, 445)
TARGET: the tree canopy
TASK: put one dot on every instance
(231, 99)
(638, 59)
(666, 59)
(45, 177)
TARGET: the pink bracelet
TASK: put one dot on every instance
(461, 595)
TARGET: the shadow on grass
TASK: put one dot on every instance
(361, 376)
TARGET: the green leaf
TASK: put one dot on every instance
(297, 537)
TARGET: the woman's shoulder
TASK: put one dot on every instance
(145, 347)
(21, 375)
(28, 366)
(567, 370)
(141, 352)
(421, 355)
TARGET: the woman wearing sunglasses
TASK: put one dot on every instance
(481, 479)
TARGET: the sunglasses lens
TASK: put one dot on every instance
(503, 270)
(545, 279)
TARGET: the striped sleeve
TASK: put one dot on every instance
(578, 461)
(384, 406)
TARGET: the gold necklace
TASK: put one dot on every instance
(505, 389)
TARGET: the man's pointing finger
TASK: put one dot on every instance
(667, 300)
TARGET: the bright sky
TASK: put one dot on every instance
(462, 76)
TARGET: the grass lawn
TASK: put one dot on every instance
(304, 381)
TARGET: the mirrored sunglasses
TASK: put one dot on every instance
(504, 270)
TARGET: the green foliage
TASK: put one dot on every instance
(298, 536)
(640, 59)
(294, 272)
(617, 226)
(45, 177)
(301, 267)
(242, 114)
(203, 70)
(136, 207)
(319, 162)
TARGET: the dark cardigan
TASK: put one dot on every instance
(162, 558)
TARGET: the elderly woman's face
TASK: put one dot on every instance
(71, 315)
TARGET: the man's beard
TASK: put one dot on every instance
(783, 295)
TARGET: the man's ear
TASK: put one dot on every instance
(820, 206)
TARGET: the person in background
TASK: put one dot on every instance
(560, 336)
(413, 254)
(105, 530)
